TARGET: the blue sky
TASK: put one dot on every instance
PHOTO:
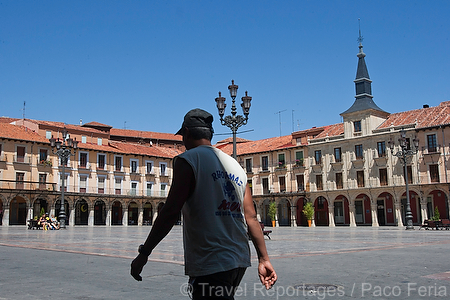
(143, 64)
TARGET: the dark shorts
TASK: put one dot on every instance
(220, 285)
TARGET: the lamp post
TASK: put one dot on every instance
(404, 154)
(63, 151)
(234, 121)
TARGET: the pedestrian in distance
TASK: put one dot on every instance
(211, 190)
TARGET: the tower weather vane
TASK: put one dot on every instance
(360, 37)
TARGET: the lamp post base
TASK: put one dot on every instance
(409, 224)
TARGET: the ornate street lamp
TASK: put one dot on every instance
(404, 154)
(63, 149)
(233, 121)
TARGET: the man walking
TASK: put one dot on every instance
(210, 188)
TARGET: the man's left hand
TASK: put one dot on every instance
(137, 265)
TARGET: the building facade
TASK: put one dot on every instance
(115, 177)
(350, 171)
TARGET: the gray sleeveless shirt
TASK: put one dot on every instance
(214, 228)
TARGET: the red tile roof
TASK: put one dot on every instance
(128, 148)
(230, 140)
(259, 146)
(424, 117)
(331, 130)
(145, 134)
(96, 124)
(7, 120)
(9, 131)
(69, 127)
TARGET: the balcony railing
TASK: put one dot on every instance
(432, 149)
(44, 163)
(27, 185)
(21, 159)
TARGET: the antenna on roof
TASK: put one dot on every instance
(293, 121)
(23, 111)
(125, 125)
(279, 117)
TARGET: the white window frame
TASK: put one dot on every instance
(88, 166)
(268, 163)
(79, 182)
(262, 184)
(137, 165)
(121, 159)
(39, 154)
(83, 139)
(163, 192)
(278, 159)
(303, 156)
(99, 141)
(66, 181)
(24, 154)
(251, 164)
(106, 160)
(151, 169)
(285, 183)
(121, 184)
(134, 192)
(165, 168)
(104, 183)
(151, 189)
(48, 134)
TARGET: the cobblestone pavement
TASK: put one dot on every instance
(312, 263)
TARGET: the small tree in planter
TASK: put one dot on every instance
(437, 215)
(308, 211)
(273, 212)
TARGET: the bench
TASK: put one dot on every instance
(34, 224)
(445, 223)
(265, 232)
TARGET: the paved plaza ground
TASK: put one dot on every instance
(312, 263)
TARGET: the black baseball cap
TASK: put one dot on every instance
(196, 118)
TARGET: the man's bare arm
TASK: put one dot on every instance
(183, 184)
(266, 271)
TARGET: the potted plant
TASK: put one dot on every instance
(308, 211)
(436, 216)
(272, 212)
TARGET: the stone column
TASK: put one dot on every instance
(293, 216)
(108, 215)
(258, 212)
(276, 219)
(374, 215)
(155, 215)
(72, 217)
(140, 216)
(423, 211)
(331, 216)
(398, 214)
(91, 216)
(5, 218)
(30, 213)
(52, 211)
(125, 217)
(351, 213)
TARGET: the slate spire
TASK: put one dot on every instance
(363, 85)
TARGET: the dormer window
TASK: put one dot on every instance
(357, 126)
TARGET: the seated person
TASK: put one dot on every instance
(42, 222)
(55, 222)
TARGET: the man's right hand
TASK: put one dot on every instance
(267, 274)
